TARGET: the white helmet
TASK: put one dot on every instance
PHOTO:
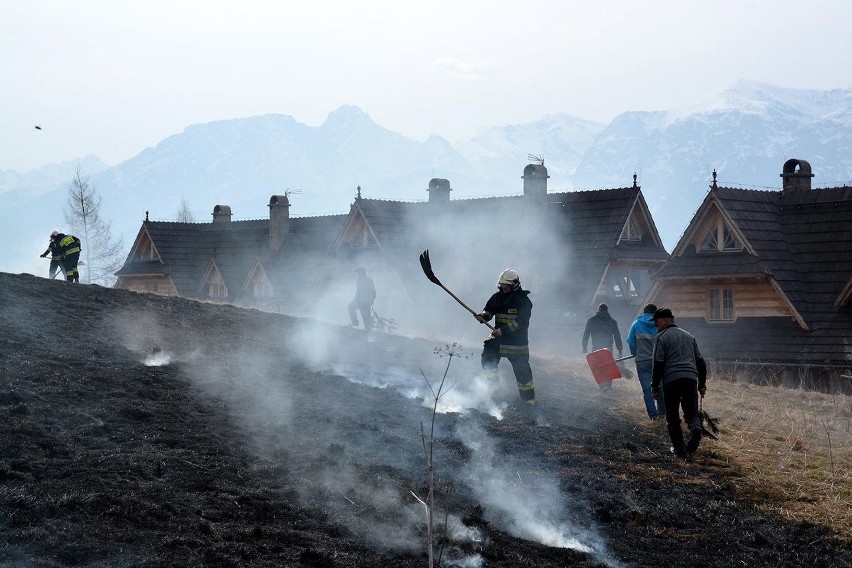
(53, 234)
(510, 277)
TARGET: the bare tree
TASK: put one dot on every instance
(184, 215)
(103, 255)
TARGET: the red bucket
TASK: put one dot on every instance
(603, 366)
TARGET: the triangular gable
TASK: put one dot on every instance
(257, 282)
(712, 217)
(639, 224)
(356, 233)
(845, 294)
(212, 284)
(143, 248)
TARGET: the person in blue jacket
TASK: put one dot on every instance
(640, 341)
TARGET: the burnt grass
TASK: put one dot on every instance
(250, 444)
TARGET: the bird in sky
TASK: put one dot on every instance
(37, 127)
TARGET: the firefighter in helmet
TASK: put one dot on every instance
(55, 256)
(69, 248)
(511, 308)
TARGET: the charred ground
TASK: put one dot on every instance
(140, 430)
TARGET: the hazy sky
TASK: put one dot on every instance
(114, 77)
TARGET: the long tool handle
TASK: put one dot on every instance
(456, 298)
(623, 358)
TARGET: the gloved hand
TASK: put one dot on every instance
(43, 255)
(655, 393)
(702, 391)
(496, 332)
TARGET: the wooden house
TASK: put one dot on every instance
(765, 277)
(573, 249)
(262, 263)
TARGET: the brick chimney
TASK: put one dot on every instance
(279, 220)
(535, 181)
(797, 174)
(439, 190)
(222, 214)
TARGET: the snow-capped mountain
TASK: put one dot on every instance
(745, 132)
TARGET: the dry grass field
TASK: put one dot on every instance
(791, 449)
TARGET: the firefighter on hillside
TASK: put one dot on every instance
(69, 248)
(55, 258)
(511, 309)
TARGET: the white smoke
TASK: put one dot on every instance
(520, 495)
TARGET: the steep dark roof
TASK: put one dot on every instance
(803, 239)
(588, 224)
(186, 249)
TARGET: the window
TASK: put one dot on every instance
(624, 285)
(261, 289)
(145, 252)
(363, 239)
(630, 232)
(720, 304)
(217, 290)
(721, 238)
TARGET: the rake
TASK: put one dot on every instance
(709, 425)
(426, 264)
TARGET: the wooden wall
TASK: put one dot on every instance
(751, 299)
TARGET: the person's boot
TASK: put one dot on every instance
(694, 440)
(676, 436)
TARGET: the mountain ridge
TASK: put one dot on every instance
(745, 132)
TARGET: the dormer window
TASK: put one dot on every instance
(721, 238)
(630, 232)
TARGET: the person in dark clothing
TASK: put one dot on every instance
(69, 248)
(603, 330)
(640, 341)
(511, 309)
(682, 371)
(365, 295)
(55, 257)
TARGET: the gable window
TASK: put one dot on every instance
(363, 239)
(720, 305)
(721, 238)
(145, 252)
(216, 287)
(217, 290)
(630, 232)
(260, 289)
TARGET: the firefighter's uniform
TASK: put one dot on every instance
(511, 312)
(69, 248)
(55, 258)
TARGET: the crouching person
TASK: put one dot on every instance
(682, 372)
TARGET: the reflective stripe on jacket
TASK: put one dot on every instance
(69, 245)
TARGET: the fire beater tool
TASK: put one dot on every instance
(603, 365)
(426, 264)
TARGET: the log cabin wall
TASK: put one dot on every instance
(751, 299)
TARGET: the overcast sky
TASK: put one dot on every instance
(114, 77)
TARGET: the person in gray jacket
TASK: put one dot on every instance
(682, 371)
